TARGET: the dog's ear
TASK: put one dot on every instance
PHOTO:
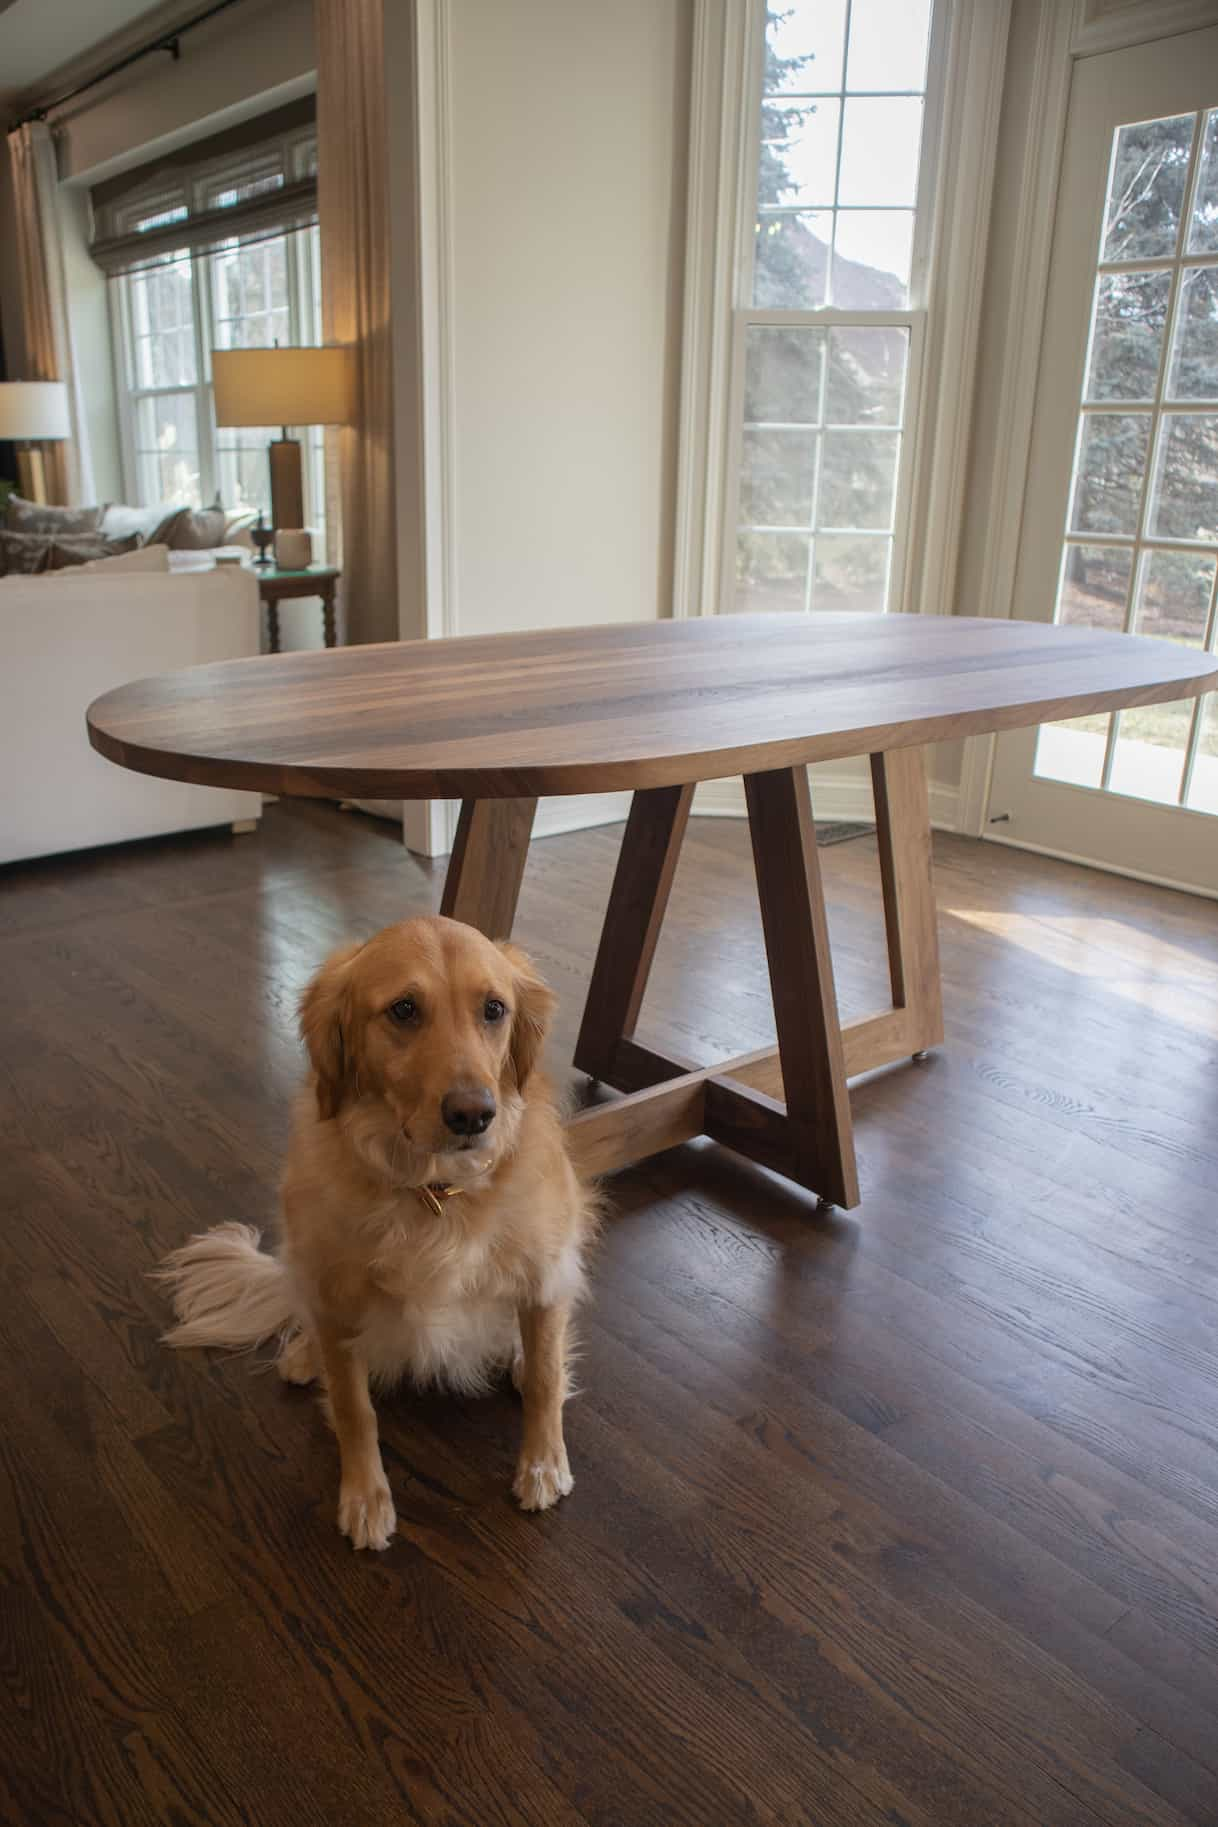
(533, 1002)
(324, 1019)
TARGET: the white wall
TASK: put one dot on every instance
(568, 147)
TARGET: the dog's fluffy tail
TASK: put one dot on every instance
(226, 1291)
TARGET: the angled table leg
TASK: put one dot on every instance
(903, 830)
(820, 1135)
(651, 845)
(487, 864)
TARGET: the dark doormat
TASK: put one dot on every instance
(841, 834)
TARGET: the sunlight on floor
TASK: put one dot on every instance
(1165, 979)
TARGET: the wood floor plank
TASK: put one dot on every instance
(907, 1516)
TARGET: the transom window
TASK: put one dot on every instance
(1140, 554)
(828, 332)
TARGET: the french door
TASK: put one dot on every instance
(1120, 521)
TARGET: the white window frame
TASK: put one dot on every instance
(964, 86)
(291, 155)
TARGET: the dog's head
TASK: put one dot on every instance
(431, 1032)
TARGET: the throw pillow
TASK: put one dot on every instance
(120, 521)
(197, 530)
(85, 546)
(23, 554)
(21, 516)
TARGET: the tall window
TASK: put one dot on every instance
(244, 293)
(1140, 554)
(831, 317)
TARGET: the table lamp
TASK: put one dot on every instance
(300, 386)
(31, 413)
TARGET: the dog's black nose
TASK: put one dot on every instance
(468, 1113)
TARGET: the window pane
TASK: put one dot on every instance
(771, 570)
(858, 479)
(791, 261)
(1146, 188)
(167, 447)
(1174, 596)
(243, 466)
(803, 47)
(866, 376)
(1112, 455)
(1203, 232)
(1094, 591)
(777, 478)
(1184, 499)
(1148, 758)
(888, 40)
(798, 153)
(1127, 335)
(850, 573)
(871, 259)
(1194, 362)
(1203, 788)
(881, 139)
(782, 375)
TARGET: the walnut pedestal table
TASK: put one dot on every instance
(656, 707)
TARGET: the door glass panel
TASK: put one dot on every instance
(1111, 464)
(1148, 757)
(1203, 230)
(1127, 336)
(1184, 498)
(1203, 788)
(1094, 593)
(1194, 362)
(1174, 590)
(1146, 189)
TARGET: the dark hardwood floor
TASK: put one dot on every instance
(908, 1516)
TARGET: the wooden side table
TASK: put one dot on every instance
(276, 586)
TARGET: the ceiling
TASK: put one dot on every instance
(40, 37)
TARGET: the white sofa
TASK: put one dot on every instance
(66, 638)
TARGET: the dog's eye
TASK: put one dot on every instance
(404, 1009)
(494, 1010)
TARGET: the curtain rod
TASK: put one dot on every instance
(169, 41)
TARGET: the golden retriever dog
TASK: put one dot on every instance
(433, 1226)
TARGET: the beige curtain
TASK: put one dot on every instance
(353, 209)
(46, 326)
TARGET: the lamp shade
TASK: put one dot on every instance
(303, 386)
(33, 409)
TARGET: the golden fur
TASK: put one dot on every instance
(371, 1282)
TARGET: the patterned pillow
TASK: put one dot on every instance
(23, 554)
(81, 547)
(21, 516)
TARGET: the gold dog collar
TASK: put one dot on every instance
(435, 1197)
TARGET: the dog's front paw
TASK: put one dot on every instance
(297, 1360)
(366, 1514)
(541, 1479)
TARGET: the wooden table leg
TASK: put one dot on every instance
(327, 615)
(903, 829)
(487, 864)
(651, 845)
(821, 1137)
(272, 626)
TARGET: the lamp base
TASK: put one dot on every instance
(287, 483)
(31, 474)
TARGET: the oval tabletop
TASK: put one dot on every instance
(581, 710)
